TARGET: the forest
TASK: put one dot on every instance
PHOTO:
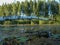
(40, 9)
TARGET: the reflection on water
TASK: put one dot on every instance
(6, 31)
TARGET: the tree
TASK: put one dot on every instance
(31, 6)
(18, 6)
(28, 8)
(6, 12)
(2, 11)
(9, 8)
(35, 7)
(54, 7)
(59, 7)
(41, 8)
(22, 7)
(14, 9)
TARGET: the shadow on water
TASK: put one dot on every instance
(6, 31)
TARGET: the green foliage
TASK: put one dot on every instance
(35, 7)
(39, 8)
(54, 7)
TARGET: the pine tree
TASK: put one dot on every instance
(18, 8)
(59, 7)
(35, 7)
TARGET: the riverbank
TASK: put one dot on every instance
(30, 25)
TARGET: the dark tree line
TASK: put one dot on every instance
(39, 8)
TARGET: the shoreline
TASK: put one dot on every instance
(31, 25)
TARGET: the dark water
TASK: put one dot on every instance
(6, 31)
